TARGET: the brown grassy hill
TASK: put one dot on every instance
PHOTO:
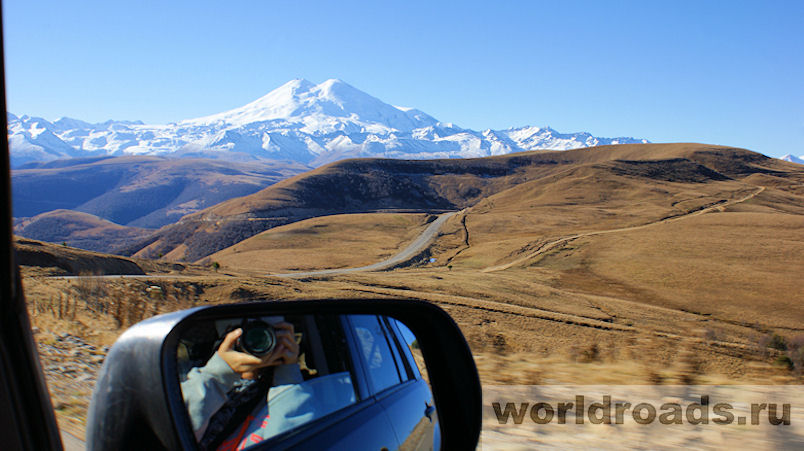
(716, 233)
(140, 191)
(366, 185)
(65, 260)
(78, 229)
(583, 199)
(41, 259)
(326, 242)
(739, 266)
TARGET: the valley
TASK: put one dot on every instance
(104, 204)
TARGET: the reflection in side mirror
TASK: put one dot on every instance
(246, 380)
(334, 373)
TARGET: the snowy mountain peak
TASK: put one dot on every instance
(299, 121)
(279, 103)
(335, 83)
(326, 107)
(339, 91)
(301, 84)
(67, 123)
(793, 159)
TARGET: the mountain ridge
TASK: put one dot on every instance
(298, 121)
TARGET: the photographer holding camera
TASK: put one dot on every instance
(247, 363)
(228, 399)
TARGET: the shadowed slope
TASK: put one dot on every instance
(139, 191)
(78, 229)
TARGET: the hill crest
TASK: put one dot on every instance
(370, 185)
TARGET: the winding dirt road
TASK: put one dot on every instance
(417, 246)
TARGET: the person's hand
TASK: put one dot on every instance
(286, 336)
(286, 351)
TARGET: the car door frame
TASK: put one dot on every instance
(30, 422)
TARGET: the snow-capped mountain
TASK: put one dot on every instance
(793, 159)
(299, 121)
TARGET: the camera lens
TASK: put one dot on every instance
(258, 338)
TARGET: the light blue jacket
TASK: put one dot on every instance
(291, 401)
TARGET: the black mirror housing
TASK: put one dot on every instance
(138, 404)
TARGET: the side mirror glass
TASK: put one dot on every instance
(305, 374)
(248, 379)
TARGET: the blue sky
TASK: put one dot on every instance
(727, 73)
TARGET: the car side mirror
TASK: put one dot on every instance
(359, 374)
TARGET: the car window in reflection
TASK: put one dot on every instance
(382, 369)
(411, 349)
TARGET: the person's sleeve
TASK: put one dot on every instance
(287, 374)
(205, 391)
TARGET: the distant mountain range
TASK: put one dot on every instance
(299, 121)
(137, 191)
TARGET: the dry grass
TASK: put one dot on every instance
(739, 267)
(519, 220)
(99, 309)
(566, 327)
(521, 330)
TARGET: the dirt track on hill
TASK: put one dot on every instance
(553, 244)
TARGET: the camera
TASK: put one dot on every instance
(258, 338)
